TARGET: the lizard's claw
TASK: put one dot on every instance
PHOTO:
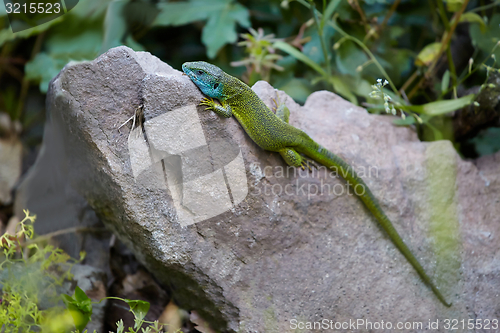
(308, 163)
(209, 103)
(275, 105)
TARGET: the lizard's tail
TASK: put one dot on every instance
(321, 155)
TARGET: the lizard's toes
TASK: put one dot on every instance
(276, 105)
(206, 101)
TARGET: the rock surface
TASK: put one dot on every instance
(276, 249)
(10, 167)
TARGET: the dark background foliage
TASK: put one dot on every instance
(431, 64)
(427, 50)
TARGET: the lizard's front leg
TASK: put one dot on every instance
(223, 110)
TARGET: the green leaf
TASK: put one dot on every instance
(7, 34)
(349, 57)
(139, 308)
(89, 10)
(3, 11)
(440, 107)
(340, 86)
(181, 13)
(80, 308)
(133, 44)
(313, 48)
(115, 25)
(298, 89)
(473, 18)
(80, 295)
(74, 39)
(43, 68)
(330, 9)
(68, 299)
(361, 87)
(119, 326)
(222, 17)
(445, 82)
(77, 40)
(487, 142)
(299, 56)
(428, 54)
(487, 40)
(454, 5)
(221, 28)
(409, 120)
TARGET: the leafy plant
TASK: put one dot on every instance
(354, 44)
(419, 47)
(80, 307)
(29, 276)
(262, 56)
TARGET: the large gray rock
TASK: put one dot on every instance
(254, 247)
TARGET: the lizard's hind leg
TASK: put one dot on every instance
(281, 110)
(293, 158)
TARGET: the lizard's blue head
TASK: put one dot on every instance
(206, 76)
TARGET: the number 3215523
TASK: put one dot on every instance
(485, 324)
(40, 8)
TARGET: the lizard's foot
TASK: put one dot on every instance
(281, 110)
(223, 110)
(209, 103)
(297, 160)
(276, 104)
(307, 162)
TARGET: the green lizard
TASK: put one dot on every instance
(272, 132)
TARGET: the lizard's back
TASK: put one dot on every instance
(261, 124)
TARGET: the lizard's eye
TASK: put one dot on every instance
(216, 85)
(200, 72)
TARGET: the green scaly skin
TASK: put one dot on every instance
(272, 132)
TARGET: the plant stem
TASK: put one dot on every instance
(442, 13)
(480, 8)
(370, 54)
(361, 14)
(72, 230)
(475, 69)
(388, 15)
(409, 81)
(322, 40)
(444, 44)
(451, 65)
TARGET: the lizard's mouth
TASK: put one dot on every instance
(189, 72)
(186, 70)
